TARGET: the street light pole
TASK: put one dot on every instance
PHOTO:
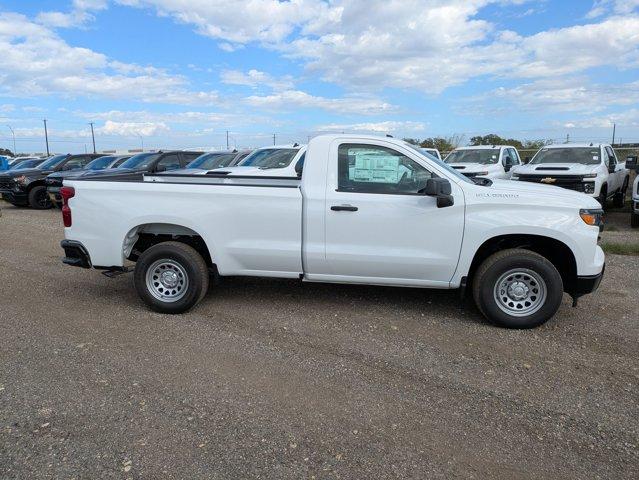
(93, 136)
(14, 139)
(46, 136)
(142, 140)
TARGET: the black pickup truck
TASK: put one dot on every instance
(26, 187)
(54, 181)
(151, 162)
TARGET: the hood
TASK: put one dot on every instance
(110, 172)
(26, 172)
(555, 169)
(473, 167)
(550, 195)
(188, 171)
(67, 174)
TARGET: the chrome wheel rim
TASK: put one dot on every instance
(520, 292)
(167, 280)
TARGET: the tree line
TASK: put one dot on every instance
(446, 144)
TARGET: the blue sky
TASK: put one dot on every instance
(178, 73)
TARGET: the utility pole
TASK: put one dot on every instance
(14, 139)
(93, 136)
(273, 139)
(614, 130)
(567, 138)
(46, 136)
(141, 140)
(227, 139)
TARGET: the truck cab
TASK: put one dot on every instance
(489, 161)
(593, 169)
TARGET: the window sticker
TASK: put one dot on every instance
(371, 167)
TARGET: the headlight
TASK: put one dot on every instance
(592, 217)
(590, 175)
(22, 179)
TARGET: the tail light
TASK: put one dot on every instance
(66, 193)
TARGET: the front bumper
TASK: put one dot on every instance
(75, 254)
(12, 196)
(588, 284)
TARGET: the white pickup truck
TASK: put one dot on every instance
(489, 161)
(589, 168)
(366, 210)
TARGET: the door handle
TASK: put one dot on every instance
(344, 208)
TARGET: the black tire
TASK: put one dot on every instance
(188, 266)
(603, 196)
(39, 198)
(531, 264)
(620, 197)
(634, 220)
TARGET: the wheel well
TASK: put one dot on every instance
(37, 183)
(145, 236)
(555, 251)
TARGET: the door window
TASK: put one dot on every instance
(168, 162)
(76, 162)
(373, 169)
(514, 156)
(611, 155)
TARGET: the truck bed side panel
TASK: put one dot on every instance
(249, 230)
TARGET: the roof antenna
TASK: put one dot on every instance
(296, 145)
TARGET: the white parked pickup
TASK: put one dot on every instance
(589, 168)
(489, 161)
(366, 210)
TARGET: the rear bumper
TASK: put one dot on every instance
(588, 284)
(54, 194)
(75, 254)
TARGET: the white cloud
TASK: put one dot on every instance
(255, 78)
(291, 99)
(128, 129)
(36, 61)
(374, 127)
(620, 7)
(629, 119)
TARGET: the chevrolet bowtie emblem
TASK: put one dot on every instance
(548, 180)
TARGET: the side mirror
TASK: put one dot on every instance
(527, 160)
(160, 168)
(611, 167)
(507, 167)
(439, 188)
(631, 162)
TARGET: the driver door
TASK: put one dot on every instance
(379, 228)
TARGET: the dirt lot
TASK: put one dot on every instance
(277, 379)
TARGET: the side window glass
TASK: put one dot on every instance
(371, 169)
(611, 155)
(605, 157)
(75, 163)
(188, 157)
(515, 156)
(169, 162)
(299, 165)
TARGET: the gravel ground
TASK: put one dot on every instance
(278, 379)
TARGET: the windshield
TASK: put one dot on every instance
(100, 163)
(440, 163)
(270, 158)
(26, 164)
(485, 156)
(209, 161)
(52, 162)
(141, 160)
(586, 156)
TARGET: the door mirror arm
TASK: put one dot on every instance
(440, 189)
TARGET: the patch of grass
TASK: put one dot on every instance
(631, 248)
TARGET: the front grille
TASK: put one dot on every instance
(571, 182)
(5, 183)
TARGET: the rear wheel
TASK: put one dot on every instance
(171, 277)
(39, 198)
(620, 197)
(517, 288)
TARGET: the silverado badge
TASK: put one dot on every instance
(548, 180)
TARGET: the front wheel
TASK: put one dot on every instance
(517, 288)
(620, 197)
(171, 277)
(39, 198)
